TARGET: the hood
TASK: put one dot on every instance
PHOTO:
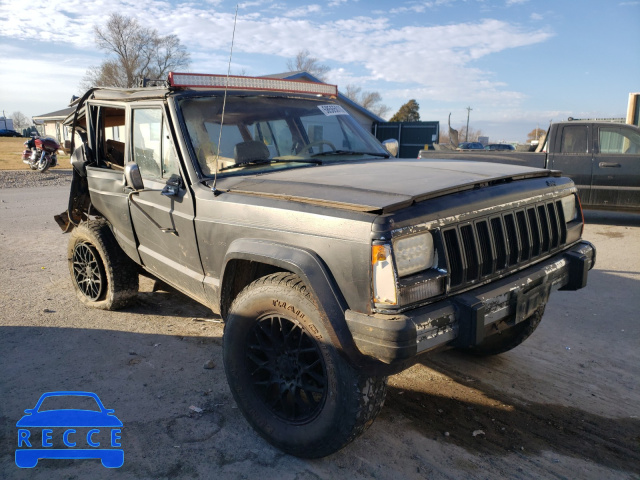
(378, 185)
(69, 418)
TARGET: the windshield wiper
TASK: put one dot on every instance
(350, 152)
(300, 160)
(252, 163)
(272, 160)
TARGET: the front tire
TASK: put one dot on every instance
(102, 274)
(44, 164)
(287, 378)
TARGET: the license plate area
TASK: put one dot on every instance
(528, 301)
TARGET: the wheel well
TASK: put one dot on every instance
(238, 274)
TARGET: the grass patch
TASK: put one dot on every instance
(11, 155)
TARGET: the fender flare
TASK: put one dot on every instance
(313, 272)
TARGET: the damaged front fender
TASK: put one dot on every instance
(79, 203)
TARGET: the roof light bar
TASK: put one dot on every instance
(250, 83)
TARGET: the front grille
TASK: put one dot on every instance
(499, 243)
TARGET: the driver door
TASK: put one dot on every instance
(575, 157)
(163, 213)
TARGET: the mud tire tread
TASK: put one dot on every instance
(368, 393)
(121, 272)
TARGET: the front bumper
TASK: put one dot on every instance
(463, 320)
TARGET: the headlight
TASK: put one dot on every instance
(569, 208)
(384, 280)
(414, 254)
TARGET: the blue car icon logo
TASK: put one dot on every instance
(90, 431)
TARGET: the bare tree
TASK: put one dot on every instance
(168, 55)
(373, 101)
(134, 52)
(535, 134)
(453, 135)
(304, 62)
(369, 100)
(473, 133)
(352, 92)
(20, 121)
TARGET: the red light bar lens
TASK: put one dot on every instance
(249, 83)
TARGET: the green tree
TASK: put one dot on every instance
(134, 52)
(407, 113)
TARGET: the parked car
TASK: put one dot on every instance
(470, 146)
(5, 132)
(500, 147)
(602, 158)
(332, 263)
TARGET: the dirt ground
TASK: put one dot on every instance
(565, 404)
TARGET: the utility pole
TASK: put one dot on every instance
(466, 136)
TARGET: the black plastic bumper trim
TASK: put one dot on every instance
(461, 320)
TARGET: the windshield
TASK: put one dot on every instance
(270, 133)
(66, 402)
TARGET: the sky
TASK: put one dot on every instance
(518, 64)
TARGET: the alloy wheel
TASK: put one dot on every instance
(87, 271)
(287, 369)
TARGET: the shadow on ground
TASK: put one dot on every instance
(506, 424)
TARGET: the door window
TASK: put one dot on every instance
(153, 149)
(147, 131)
(107, 125)
(574, 139)
(169, 157)
(617, 140)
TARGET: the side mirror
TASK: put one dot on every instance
(133, 177)
(392, 146)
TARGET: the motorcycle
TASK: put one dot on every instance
(41, 153)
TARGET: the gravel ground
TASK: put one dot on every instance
(29, 178)
(563, 405)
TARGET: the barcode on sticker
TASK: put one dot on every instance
(329, 110)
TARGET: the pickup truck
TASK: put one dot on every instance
(332, 264)
(602, 158)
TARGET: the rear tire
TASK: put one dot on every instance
(103, 276)
(508, 339)
(288, 380)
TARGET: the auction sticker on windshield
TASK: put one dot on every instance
(330, 110)
(69, 425)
